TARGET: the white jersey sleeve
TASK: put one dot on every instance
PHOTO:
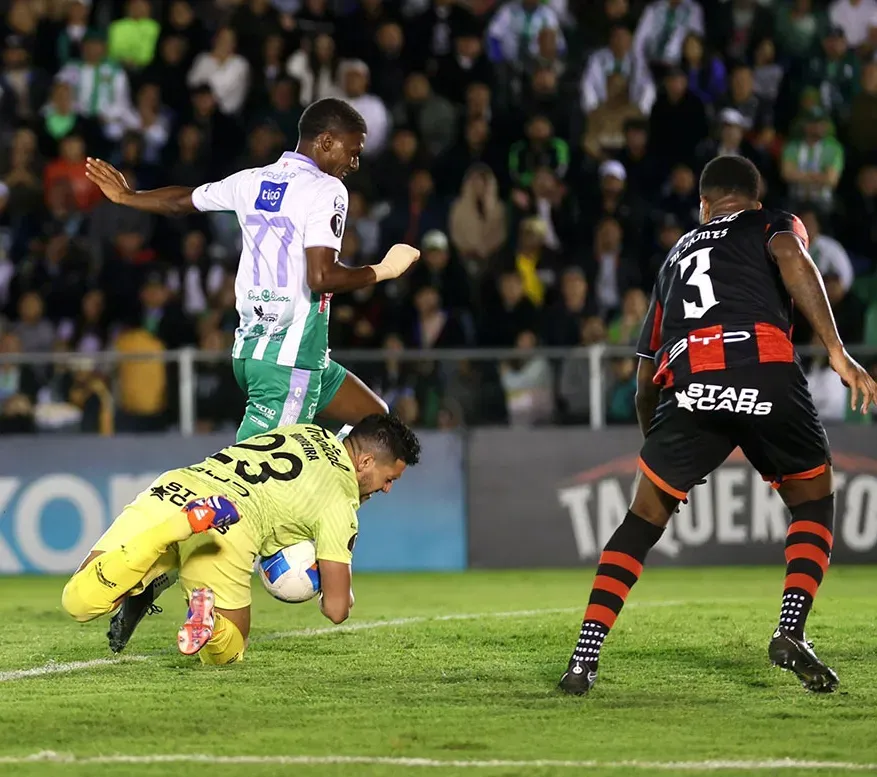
(220, 195)
(326, 215)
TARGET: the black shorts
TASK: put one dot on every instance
(764, 409)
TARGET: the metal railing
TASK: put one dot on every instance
(188, 358)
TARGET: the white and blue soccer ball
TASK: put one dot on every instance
(292, 574)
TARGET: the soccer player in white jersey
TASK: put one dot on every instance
(292, 216)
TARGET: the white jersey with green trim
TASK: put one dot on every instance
(283, 209)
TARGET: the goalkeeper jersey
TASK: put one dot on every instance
(294, 484)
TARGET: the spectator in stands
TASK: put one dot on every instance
(543, 95)
(478, 223)
(862, 130)
(681, 197)
(615, 202)
(442, 271)
(169, 71)
(253, 21)
(435, 325)
(465, 65)
(730, 140)
(677, 122)
(507, 311)
(283, 110)
(707, 75)
(606, 123)
(190, 168)
(220, 134)
(855, 19)
(432, 117)
(183, 24)
(739, 25)
(528, 383)
(513, 34)
(828, 253)
(388, 65)
(548, 199)
(668, 232)
(315, 18)
(64, 38)
(834, 72)
(618, 58)
(132, 39)
(397, 163)
(16, 380)
(475, 147)
(359, 27)
(354, 76)
(60, 119)
(68, 170)
(149, 118)
(219, 402)
(848, 309)
(625, 327)
(858, 219)
(642, 171)
(363, 223)
(540, 148)
(662, 29)
(27, 85)
(413, 216)
(316, 70)
(799, 28)
(433, 33)
(812, 165)
(34, 331)
(198, 279)
(757, 113)
(271, 68)
(767, 72)
(574, 384)
(142, 383)
(224, 71)
(614, 271)
(830, 396)
(88, 332)
(562, 324)
(100, 85)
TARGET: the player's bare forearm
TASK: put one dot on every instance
(336, 593)
(167, 201)
(327, 275)
(804, 283)
(647, 394)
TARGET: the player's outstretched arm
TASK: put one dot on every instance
(327, 275)
(804, 283)
(167, 201)
(336, 595)
(647, 394)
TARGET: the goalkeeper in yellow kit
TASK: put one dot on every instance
(211, 520)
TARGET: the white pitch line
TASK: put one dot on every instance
(328, 760)
(53, 667)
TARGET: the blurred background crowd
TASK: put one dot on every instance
(544, 155)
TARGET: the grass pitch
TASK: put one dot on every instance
(455, 668)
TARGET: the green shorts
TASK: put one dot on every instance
(278, 395)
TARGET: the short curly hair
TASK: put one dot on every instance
(386, 433)
(726, 175)
(330, 115)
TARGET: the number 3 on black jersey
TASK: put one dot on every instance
(700, 280)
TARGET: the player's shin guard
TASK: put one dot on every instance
(808, 550)
(620, 566)
(96, 590)
(226, 646)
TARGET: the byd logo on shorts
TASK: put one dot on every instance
(707, 396)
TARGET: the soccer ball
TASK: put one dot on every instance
(292, 574)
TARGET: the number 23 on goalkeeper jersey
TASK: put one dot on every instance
(294, 484)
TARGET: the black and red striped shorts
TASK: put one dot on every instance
(764, 409)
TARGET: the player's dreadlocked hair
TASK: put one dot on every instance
(386, 432)
(329, 115)
(726, 175)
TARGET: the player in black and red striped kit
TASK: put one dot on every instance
(717, 370)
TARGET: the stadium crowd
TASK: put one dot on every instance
(543, 155)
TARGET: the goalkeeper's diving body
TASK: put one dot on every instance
(211, 520)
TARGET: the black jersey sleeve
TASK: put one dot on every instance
(780, 221)
(650, 337)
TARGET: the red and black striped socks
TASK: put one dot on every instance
(808, 550)
(620, 566)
